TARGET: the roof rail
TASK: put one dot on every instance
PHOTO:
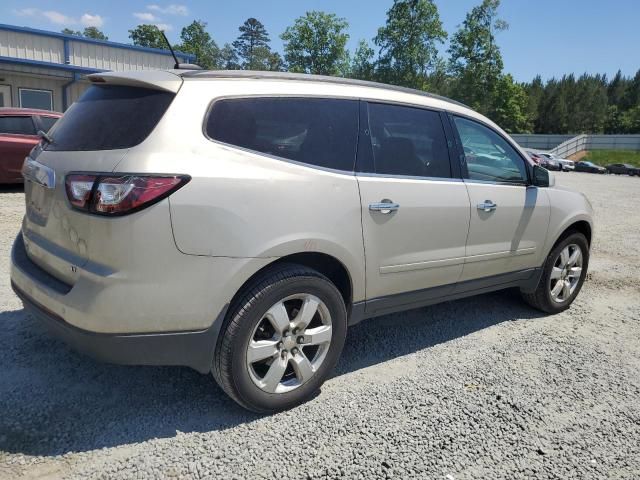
(245, 74)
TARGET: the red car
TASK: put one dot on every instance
(18, 135)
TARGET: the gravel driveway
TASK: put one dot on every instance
(478, 388)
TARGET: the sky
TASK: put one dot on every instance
(546, 37)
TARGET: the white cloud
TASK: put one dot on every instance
(172, 9)
(164, 26)
(89, 20)
(146, 17)
(58, 18)
(26, 12)
(51, 15)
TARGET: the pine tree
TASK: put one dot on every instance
(251, 44)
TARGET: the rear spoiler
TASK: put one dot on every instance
(154, 79)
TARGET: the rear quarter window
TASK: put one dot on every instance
(17, 125)
(108, 117)
(317, 131)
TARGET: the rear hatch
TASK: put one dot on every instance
(115, 114)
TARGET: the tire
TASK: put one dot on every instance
(543, 298)
(284, 288)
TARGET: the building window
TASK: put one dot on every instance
(32, 98)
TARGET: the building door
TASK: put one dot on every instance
(5, 95)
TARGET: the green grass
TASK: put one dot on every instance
(607, 157)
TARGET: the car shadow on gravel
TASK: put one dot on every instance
(53, 400)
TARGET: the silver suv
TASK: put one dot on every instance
(238, 222)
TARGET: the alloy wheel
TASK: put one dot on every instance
(566, 273)
(289, 343)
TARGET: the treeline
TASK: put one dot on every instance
(407, 51)
(588, 104)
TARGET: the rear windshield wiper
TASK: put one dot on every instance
(45, 136)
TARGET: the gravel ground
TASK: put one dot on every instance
(479, 388)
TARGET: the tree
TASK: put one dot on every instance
(475, 59)
(631, 120)
(631, 97)
(252, 44)
(362, 65)
(68, 31)
(229, 58)
(509, 109)
(616, 89)
(147, 36)
(553, 115)
(93, 32)
(316, 43)
(588, 105)
(534, 92)
(276, 63)
(89, 32)
(196, 40)
(408, 42)
(265, 59)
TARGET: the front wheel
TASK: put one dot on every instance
(281, 340)
(563, 274)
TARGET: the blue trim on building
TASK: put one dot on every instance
(188, 57)
(57, 66)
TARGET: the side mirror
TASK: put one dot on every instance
(542, 177)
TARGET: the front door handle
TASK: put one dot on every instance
(487, 206)
(385, 206)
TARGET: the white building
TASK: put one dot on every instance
(41, 69)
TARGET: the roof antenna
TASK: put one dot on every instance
(178, 65)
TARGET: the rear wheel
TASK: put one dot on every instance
(281, 340)
(563, 274)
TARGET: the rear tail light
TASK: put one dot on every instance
(119, 194)
(79, 189)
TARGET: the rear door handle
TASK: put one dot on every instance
(385, 206)
(487, 206)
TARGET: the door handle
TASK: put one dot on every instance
(487, 206)
(385, 206)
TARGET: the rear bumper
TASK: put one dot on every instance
(191, 348)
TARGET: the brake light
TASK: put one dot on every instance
(79, 189)
(119, 194)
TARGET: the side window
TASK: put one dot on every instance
(20, 125)
(317, 131)
(408, 141)
(488, 156)
(47, 122)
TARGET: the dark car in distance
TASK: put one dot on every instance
(589, 167)
(18, 135)
(623, 169)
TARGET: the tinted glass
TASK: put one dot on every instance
(109, 117)
(48, 122)
(489, 156)
(408, 141)
(17, 125)
(40, 99)
(321, 132)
